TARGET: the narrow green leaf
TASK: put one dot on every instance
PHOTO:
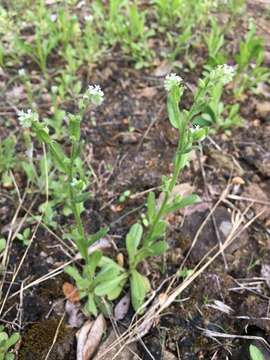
(73, 272)
(159, 230)
(90, 306)
(93, 262)
(97, 236)
(74, 127)
(140, 286)
(186, 201)
(133, 239)
(173, 111)
(256, 353)
(58, 155)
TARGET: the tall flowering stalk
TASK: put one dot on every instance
(91, 283)
(141, 245)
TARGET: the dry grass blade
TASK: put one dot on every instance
(55, 337)
(216, 334)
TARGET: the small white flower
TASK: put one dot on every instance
(74, 182)
(88, 18)
(53, 17)
(94, 94)
(228, 70)
(22, 72)
(27, 118)
(172, 80)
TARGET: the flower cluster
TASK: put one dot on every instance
(172, 80)
(94, 94)
(27, 118)
(223, 73)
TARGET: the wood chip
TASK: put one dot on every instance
(71, 293)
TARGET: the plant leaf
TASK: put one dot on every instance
(186, 201)
(139, 288)
(90, 306)
(93, 261)
(255, 353)
(97, 236)
(106, 287)
(133, 239)
(12, 340)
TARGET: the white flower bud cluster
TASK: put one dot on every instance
(223, 73)
(94, 94)
(172, 80)
(27, 118)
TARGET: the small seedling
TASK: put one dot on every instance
(250, 69)
(46, 38)
(215, 42)
(126, 194)
(24, 237)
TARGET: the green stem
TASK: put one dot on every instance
(176, 171)
(75, 209)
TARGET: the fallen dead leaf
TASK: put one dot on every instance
(82, 338)
(71, 293)
(263, 108)
(147, 92)
(122, 307)
(75, 317)
(89, 338)
(16, 93)
(163, 69)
